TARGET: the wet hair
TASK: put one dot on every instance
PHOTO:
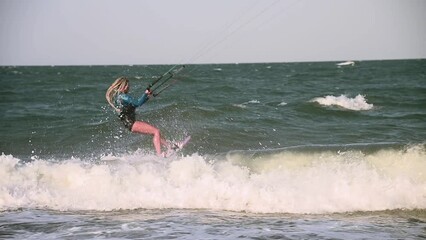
(119, 85)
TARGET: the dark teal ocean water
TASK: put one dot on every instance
(278, 150)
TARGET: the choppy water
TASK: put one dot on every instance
(205, 224)
(282, 150)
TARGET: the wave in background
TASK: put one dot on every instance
(317, 180)
(358, 103)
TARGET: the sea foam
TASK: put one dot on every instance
(358, 103)
(283, 182)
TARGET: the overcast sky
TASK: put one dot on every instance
(93, 32)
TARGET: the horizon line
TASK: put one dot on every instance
(207, 63)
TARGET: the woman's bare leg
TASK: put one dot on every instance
(145, 128)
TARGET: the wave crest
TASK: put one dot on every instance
(358, 103)
(284, 182)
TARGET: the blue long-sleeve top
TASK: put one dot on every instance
(125, 100)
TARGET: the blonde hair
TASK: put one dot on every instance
(119, 85)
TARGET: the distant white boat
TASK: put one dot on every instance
(347, 63)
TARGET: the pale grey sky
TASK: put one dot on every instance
(103, 32)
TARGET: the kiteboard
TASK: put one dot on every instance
(177, 146)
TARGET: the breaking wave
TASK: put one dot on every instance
(287, 181)
(359, 103)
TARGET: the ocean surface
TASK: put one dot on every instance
(278, 151)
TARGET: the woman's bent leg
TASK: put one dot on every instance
(145, 128)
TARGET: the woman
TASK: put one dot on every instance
(123, 103)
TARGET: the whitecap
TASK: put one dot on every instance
(244, 105)
(254, 101)
(359, 103)
(284, 182)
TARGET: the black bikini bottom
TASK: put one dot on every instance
(128, 120)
